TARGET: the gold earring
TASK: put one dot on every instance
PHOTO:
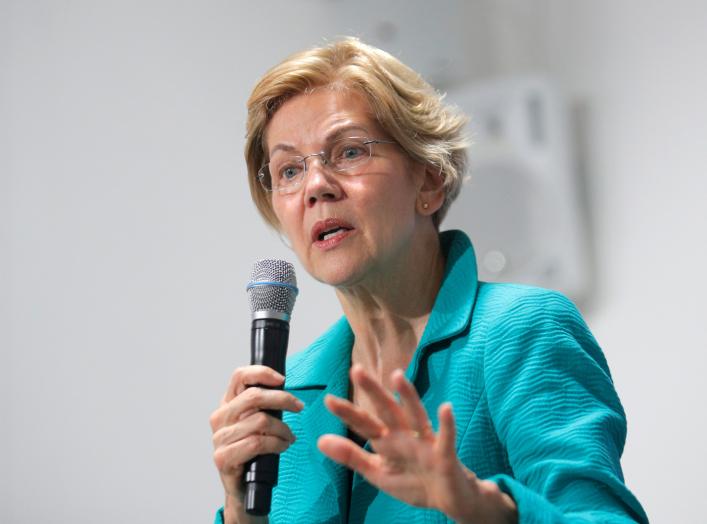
(425, 205)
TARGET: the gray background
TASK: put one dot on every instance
(127, 232)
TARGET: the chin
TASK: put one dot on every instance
(335, 278)
(338, 273)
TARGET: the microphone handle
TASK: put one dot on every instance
(268, 347)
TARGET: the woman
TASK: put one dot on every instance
(355, 159)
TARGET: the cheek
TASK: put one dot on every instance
(395, 202)
(389, 217)
(282, 217)
(288, 213)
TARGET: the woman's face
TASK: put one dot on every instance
(370, 214)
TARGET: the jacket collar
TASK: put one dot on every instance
(315, 366)
(451, 313)
(327, 360)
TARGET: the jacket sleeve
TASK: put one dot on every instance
(557, 414)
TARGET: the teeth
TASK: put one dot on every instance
(332, 233)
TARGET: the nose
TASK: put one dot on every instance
(321, 184)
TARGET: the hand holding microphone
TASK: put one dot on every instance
(248, 433)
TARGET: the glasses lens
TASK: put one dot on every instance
(282, 174)
(285, 173)
(349, 153)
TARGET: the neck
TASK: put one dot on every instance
(389, 311)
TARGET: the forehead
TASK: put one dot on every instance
(307, 120)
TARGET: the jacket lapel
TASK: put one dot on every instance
(451, 313)
(311, 375)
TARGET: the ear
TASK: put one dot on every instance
(430, 193)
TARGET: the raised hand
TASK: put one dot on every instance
(411, 462)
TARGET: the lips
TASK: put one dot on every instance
(324, 231)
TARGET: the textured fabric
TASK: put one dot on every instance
(534, 403)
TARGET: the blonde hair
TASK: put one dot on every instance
(405, 105)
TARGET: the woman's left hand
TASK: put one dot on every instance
(411, 462)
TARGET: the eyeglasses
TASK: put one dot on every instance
(285, 173)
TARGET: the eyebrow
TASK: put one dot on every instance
(333, 134)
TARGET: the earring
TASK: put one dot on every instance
(425, 205)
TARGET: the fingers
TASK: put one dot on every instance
(231, 458)
(412, 407)
(242, 430)
(447, 436)
(343, 451)
(407, 414)
(387, 408)
(253, 399)
(258, 423)
(245, 376)
(362, 422)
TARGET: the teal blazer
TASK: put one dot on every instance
(534, 403)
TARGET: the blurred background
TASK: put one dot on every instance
(127, 233)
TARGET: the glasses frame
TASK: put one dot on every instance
(326, 161)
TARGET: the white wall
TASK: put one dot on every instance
(5, 276)
(130, 232)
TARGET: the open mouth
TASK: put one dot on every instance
(330, 229)
(331, 233)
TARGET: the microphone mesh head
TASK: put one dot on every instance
(272, 286)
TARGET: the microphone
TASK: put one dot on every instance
(271, 292)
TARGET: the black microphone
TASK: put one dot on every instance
(271, 292)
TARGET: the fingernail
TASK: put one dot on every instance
(300, 404)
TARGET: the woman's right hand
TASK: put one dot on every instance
(242, 430)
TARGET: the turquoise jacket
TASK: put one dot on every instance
(534, 403)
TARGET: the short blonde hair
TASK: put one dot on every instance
(405, 105)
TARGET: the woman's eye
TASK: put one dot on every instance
(351, 152)
(287, 173)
